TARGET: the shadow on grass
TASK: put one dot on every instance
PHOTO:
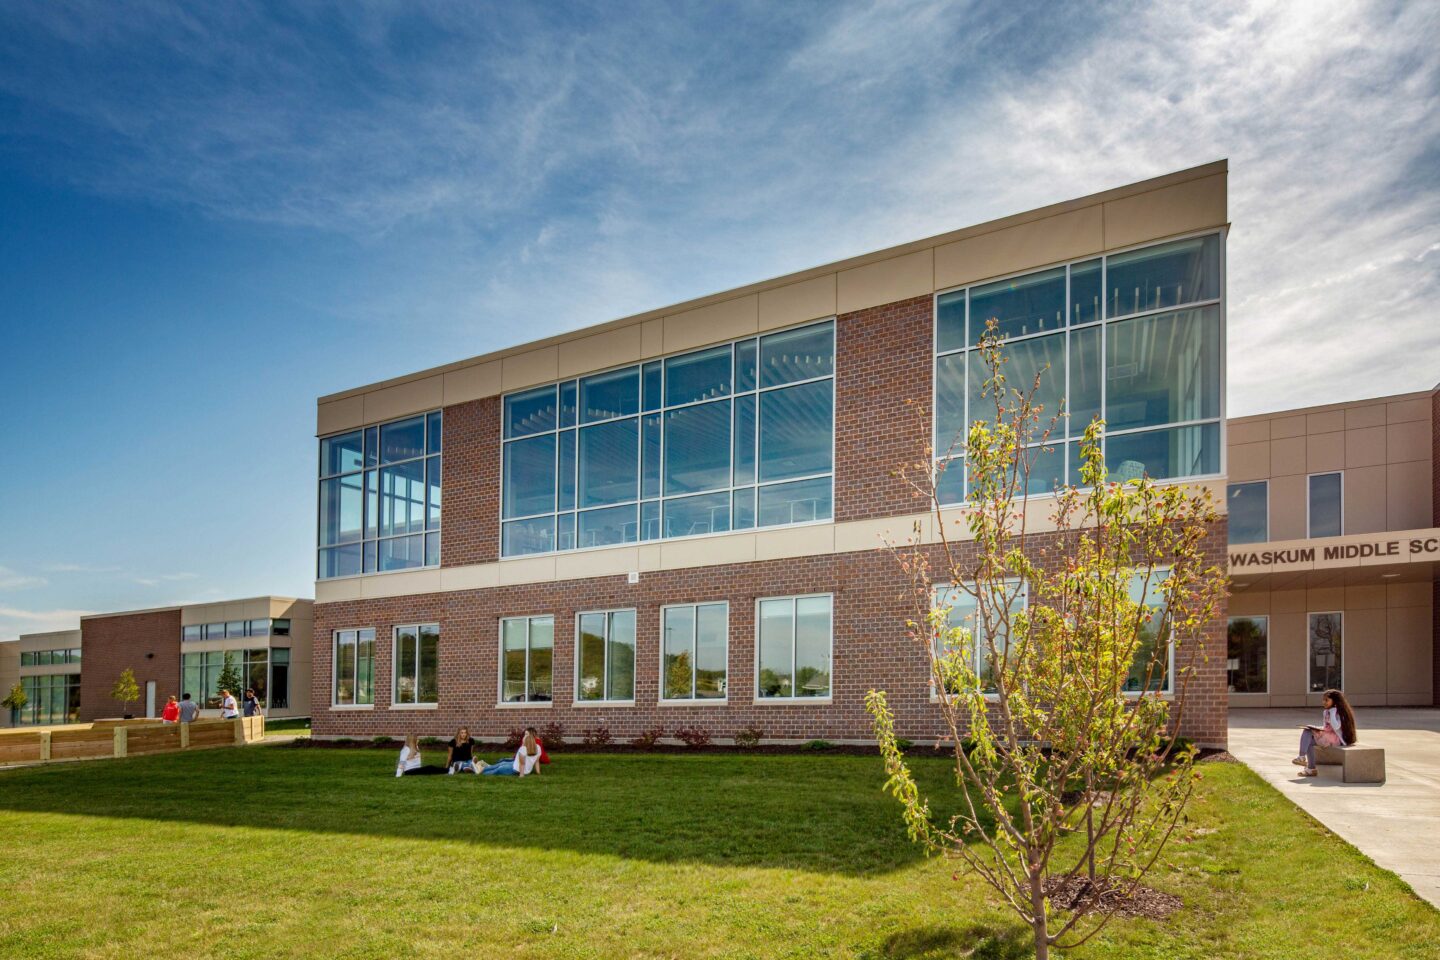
(823, 814)
(976, 943)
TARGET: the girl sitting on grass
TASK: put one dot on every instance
(1336, 730)
(525, 762)
(410, 764)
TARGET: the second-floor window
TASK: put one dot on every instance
(1327, 508)
(1249, 509)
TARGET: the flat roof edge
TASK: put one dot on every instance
(182, 606)
(1340, 405)
(876, 256)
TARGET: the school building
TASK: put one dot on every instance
(676, 518)
(172, 650)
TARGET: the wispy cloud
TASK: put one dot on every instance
(15, 621)
(12, 580)
(164, 578)
(78, 568)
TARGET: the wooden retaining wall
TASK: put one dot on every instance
(111, 738)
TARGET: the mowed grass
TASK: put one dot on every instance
(275, 852)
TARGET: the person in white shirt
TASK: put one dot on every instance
(1337, 730)
(410, 764)
(229, 709)
(525, 762)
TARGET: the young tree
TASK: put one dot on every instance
(15, 701)
(1060, 668)
(230, 678)
(126, 690)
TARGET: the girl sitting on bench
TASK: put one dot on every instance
(1336, 730)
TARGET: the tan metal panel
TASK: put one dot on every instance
(529, 369)
(476, 576)
(798, 302)
(1281, 427)
(1325, 452)
(527, 570)
(1410, 650)
(1410, 440)
(1065, 236)
(1370, 596)
(472, 383)
(652, 338)
(1247, 431)
(1326, 421)
(1365, 415)
(795, 542)
(335, 591)
(1287, 456)
(1288, 654)
(1365, 499)
(597, 563)
(1249, 461)
(1417, 408)
(1172, 210)
(899, 278)
(1363, 651)
(716, 323)
(599, 351)
(1365, 448)
(338, 415)
(707, 552)
(402, 584)
(1408, 495)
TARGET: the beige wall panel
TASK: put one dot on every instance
(1365, 448)
(1370, 596)
(1402, 410)
(1408, 441)
(338, 415)
(1248, 461)
(1363, 652)
(1365, 499)
(1326, 421)
(401, 584)
(713, 324)
(597, 563)
(472, 383)
(1409, 594)
(795, 542)
(1371, 415)
(1250, 431)
(416, 396)
(527, 570)
(529, 369)
(1287, 508)
(1324, 599)
(1287, 653)
(334, 591)
(1411, 649)
(475, 576)
(613, 348)
(1325, 451)
(1251, 603)
(1409, 496)
(1182, 208)
(652, 338)
(649, 557)
(875, 534)
(898, 278)
(1282, 427)
(708, 551)
(1065, 236)
(1287, 456)
(797, 302)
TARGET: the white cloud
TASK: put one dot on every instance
(15, 621)
(162, 578)
(12, 580)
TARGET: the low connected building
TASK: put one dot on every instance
(172, 651)
(1334, 551)
(676, 518)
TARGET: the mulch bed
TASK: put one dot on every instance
(1104, 896)
(1216, 756)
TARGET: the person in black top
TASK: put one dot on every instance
(252, 703)
(461, 754)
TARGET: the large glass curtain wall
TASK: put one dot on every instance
(50, 699)
(726, 438)
(1134, 337)
(380, 498)
(200, 675)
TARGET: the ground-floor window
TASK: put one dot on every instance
(794, 647)
(1150, 669)
(255, 668)
(354, 668)
(280, 678)
(964, 613)
(1326, 665)
(695, 641)
(527, 654)
(417, 664)
(51, 699)
(606, 664)
(1247, 655)
(200, 674)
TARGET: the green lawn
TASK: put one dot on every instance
(287, 726)
(275, 852)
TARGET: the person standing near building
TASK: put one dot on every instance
(252, 703)
(229, 709)
(171, 711)
(189, 710)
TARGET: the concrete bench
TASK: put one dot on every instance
(1355, 764)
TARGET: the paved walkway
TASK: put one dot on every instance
(1397, 823)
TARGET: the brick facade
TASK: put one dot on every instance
(883, 393)
(148, 643)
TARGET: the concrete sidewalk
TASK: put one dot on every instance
(1397, 823)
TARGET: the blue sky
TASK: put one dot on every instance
(212, 214)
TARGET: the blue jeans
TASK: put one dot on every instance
(505, 768)
(1307, 747)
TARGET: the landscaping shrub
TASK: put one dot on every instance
(902, 744)
(552, 735)
(648, 739)
(343, 741)
(748, 737)
(381, 741)
(596, 736)
(514, 738)
(818, 745)
(694, 737)
(431, 742)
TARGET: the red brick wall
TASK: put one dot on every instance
(110, 644)
(883, 381)
(870, 650)
(470, 483)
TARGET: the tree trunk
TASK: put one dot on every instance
(1037, 916)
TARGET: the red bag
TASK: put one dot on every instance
(544, 757)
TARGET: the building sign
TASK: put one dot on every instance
(1411, 546)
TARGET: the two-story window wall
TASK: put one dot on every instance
(725, 438)
(380, 498)
(1135, 337)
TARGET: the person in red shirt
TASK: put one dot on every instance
(171, 713)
